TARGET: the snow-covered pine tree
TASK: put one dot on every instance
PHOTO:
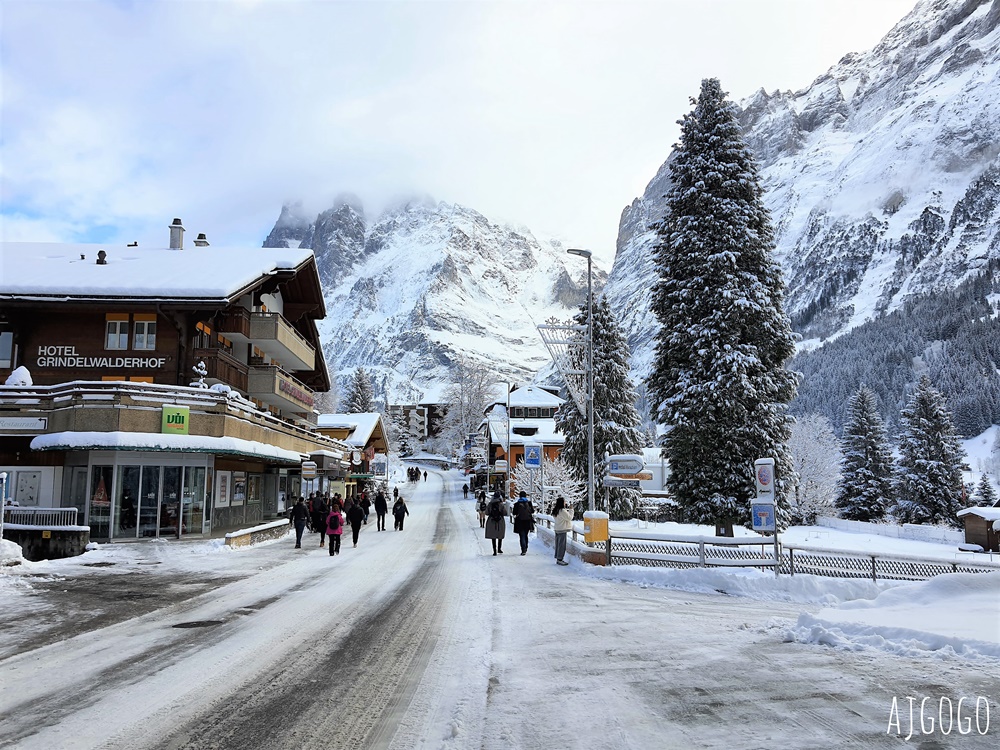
(865, 489)
(359, 394)
(929, 474)
(617, 424)
(985, 494)
(718, 376)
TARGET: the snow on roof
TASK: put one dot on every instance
(71, 270)
(529, 395)
(151, 441)
(361, 425)
(545, 432)
(989, 513)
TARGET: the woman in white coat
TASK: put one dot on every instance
(563, 514)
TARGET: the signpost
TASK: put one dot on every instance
(532, 456)
(619, 482)
(627, 463)
(647, 475)
(762, 512)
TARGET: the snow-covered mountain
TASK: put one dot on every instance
(426, 283)
(883, 176)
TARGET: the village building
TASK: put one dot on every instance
(367, 437)
(982, 527)
(161, 391)
(521, 419)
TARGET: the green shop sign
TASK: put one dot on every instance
(175, 420)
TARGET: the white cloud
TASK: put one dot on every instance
(550, 114)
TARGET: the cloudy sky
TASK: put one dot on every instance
(119, 115)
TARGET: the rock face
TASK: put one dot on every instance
(424, 284)
(882, 177)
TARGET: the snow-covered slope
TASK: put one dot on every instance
(883, 176)
(427, 283)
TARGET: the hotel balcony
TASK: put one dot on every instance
(279, 389)
(223, 367)
(270, 333)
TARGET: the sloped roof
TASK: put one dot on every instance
(545, 432)
(360, 426)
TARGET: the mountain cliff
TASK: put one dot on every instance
(882, 177)
(424, 284)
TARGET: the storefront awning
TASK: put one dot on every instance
(153, 442)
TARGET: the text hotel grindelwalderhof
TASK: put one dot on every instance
(66, 356)
(921, 717)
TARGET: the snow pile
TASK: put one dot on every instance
(915, 619)
(10, 553)
(20, 377)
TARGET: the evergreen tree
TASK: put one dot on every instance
(865, 488)
(985, 494)
(718, 375)
(359, 394)
(617, 424)
(929, 476)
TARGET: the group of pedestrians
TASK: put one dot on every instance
(413, 474)
(328, 516)
(493, 519)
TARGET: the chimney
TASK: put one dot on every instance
(176, 235)
(102, 258)
(201, 240)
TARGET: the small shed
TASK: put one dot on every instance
(981, 527)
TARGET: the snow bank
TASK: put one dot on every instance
(10, 553)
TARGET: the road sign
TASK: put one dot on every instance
(533, 456)
(617, 482)
(763, 470)
(308, 469)
(762, 515)
(625, 464)
(633, 475)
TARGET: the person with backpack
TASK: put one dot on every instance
(355, 517)
(399, 512)
(320, 513)
(334, 529)
(481, 506)
(524, 520)
(496, 525)
(564, 524)
(298, 518)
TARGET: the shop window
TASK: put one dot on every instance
(144, 332)
(116, 332)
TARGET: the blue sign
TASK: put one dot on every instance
(762, 515)
(533, 456)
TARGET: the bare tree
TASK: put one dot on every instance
(552, 474)
(815, 460)
(465, 400)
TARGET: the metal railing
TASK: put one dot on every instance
(651, 549)
(13, 514)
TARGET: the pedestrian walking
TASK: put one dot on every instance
(381, 507)
(496, 525)
(425, 476)
(524, 520)
(320, 512)
(366, 504)
(299, 515)
(564, 524)
(399, 513)
(465, 491)
(482, 506)
(355, 517)
(334, 529)
(395, 493)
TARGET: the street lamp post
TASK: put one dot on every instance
(590, 375)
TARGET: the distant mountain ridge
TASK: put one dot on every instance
(882, 177)
(425, 284)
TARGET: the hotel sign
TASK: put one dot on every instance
(66, 356)
(175, 420)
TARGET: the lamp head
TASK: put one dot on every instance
(577, 251)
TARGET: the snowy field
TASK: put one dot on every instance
(487, 652)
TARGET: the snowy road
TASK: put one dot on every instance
(423, 639)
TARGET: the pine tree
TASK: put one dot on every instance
(985, 494)
(865, 488)
(718, 374)
(929, 476)
(359, 394)
(617, 424)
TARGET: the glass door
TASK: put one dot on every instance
(99, 516)
(170, 502)
(126, 515)
(149, 501)
(193, 500)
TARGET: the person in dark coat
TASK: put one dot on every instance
(496, 525)
(355, 517)
(299, 515)
(482, 506)
(320, 512)
(381, 507)
(366, 504)
(399, 512)
(465, 491)
(524, 520)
